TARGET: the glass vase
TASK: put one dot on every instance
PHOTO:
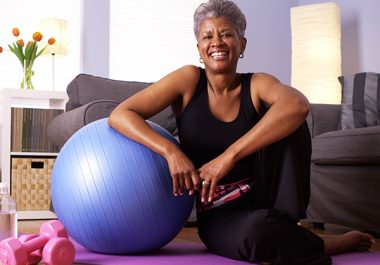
(26, 82)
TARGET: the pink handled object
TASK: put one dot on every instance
(15, 252)
(35, 256)
(58, 251)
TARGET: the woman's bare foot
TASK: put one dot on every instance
(350, 241)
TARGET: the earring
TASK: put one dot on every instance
(201, 60)
(241, 55)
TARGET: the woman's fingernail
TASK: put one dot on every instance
(209, 199)
(191, 192)
(203, 199)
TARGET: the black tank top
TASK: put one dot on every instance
(203, 137)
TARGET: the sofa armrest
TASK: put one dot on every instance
(62, 127)
(323, 118)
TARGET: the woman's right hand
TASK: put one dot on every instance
(183, 172)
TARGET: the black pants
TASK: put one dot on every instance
(262, 225)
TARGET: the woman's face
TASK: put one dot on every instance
(219, 44)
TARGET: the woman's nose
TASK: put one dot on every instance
(216, 41)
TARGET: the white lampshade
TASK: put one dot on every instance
(316, 52)
(56, 28)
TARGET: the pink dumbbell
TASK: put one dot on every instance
(35, 256)
(57, 249)
(49, 256)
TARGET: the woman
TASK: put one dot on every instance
(245, 149)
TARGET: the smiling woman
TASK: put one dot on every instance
(250, 168)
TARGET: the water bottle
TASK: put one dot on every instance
(8, 214)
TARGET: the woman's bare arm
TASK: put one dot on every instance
(288, 109)
(129, 117)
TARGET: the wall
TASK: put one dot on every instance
(268, 34)
(95, 23)
(267, 28)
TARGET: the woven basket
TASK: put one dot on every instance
(30, 182)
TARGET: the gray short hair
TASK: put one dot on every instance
(220, 8)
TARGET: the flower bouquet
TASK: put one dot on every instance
(27, 54)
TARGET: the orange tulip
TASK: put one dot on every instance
(15, 32)
(1, 49)
(27, 55)
(37, 36)
(51, 41)
(20, 42)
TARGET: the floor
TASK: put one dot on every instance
(189, 234)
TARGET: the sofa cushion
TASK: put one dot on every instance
(92, 98)
(350, 146)
(360, 100)
(86, 88)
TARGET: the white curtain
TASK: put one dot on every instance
(149, 39)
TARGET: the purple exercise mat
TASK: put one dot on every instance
(174, 253)
(187, 253)
(357, 258)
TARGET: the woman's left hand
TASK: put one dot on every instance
(211, 173)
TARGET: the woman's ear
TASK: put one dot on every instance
(243, 44)
(199, 52)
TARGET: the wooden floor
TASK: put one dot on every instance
(189, 234)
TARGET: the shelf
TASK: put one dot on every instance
(35, 97)
(19, 98)
(33, 154)
(35, 215)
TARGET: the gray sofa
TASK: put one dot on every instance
(345, 168)
(345, 171)
(92, 98)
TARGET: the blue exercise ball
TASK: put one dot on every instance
(114, 195)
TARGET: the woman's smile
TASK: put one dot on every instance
(219, 55)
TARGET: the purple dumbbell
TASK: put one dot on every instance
(52, 235)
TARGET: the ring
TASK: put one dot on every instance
(205, 183)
